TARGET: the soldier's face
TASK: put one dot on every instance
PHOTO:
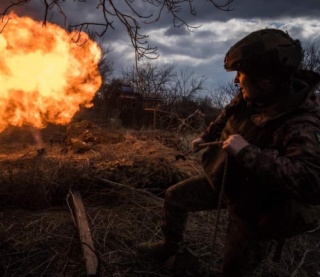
(249, 91)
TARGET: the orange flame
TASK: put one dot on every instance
(44, 76)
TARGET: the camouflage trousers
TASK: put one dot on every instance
(243, 252)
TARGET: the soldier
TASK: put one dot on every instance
(271, 134)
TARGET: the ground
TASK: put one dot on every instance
(38, 234)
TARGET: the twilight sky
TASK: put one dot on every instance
(202, 50)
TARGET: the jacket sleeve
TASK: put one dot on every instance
(296, 170)
(215, 128)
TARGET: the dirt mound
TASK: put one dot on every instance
(41, 182)
(102, 135)
(77, 128)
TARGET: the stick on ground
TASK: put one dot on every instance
(85, 235)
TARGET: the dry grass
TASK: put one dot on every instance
(41, 182)
(38, 236)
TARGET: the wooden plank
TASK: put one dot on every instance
(85, 235)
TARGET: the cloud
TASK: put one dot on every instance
(248, 9)
(203, 49)
(175, 31)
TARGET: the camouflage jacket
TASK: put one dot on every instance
(280, 168)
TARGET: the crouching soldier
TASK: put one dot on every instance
(271, 136)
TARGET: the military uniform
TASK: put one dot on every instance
(273, 184)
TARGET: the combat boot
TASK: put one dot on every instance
(160, 251)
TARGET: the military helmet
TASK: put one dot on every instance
(267, 51)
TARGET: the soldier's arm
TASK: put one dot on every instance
(215, 128)
(297, 170)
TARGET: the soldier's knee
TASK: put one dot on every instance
(171, 194)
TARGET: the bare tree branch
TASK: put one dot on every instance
(153, 80)
(14, 3)
(4, 25)
(222, 95)
(130, 21)
(311, 58)
(106, 67)
(225, 7)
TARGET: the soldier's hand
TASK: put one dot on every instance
(234, 144)
(195, 144)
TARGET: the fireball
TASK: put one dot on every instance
(44, 75)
